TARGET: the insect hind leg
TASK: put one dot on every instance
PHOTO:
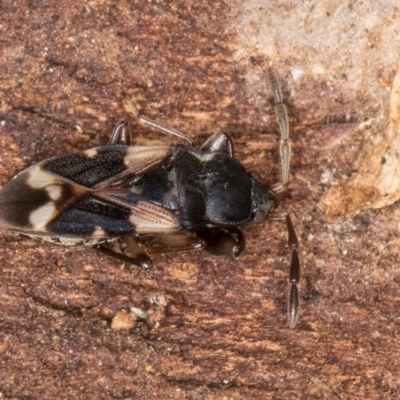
(128, 250)
(136, 250)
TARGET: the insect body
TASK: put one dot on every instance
(112, 191)
(132, 201)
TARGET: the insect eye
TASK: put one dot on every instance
(259, 216)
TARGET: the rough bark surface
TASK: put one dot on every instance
(215, 328)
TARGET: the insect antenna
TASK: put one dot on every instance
(285, 152)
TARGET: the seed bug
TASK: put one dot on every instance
(133, 201)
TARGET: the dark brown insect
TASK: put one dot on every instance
(133, 201)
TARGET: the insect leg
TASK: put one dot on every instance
(220, 143)
(223, 241)
(173, 242)
(294, 273)
(128, 250)
(132, 109)
(283, 121)
(120, 135)
(136, 250)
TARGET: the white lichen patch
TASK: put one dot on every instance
(328, 177)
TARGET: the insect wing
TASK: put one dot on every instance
(99, 167)
(66, 195)
(145, 216)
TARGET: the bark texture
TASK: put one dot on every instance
(206, 327)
